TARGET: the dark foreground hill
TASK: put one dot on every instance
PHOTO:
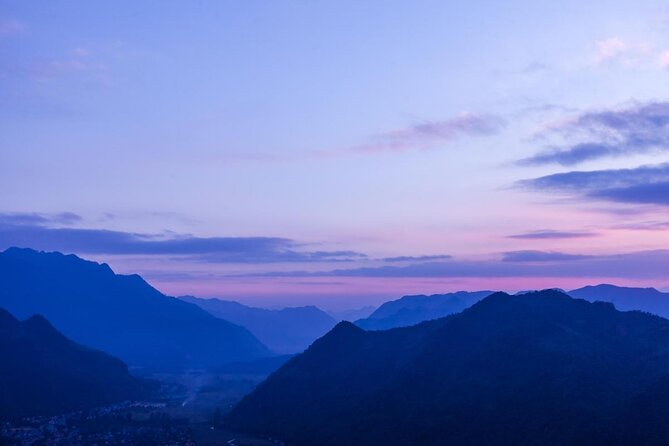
(411, 310)
(121, 315)
(534, 369)
(289, 330)
(44, 373)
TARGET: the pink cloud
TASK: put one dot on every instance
(616, 49)
(429, 133)
(664, 59)
(421, 136)
(10, 26)
(611, 48)
(81, 52)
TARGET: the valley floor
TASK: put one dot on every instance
(182, 416)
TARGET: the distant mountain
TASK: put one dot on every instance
(624, 298)
(352, 314)
(44, 373)
(411, 310)
(121, 315)
(534, 369)
(289, 330)
(518, 293)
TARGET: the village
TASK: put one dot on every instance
(131, 423)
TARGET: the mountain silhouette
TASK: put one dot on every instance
(625, 298)
(410, 310)
(289, 330)
(534, 369)
(121, 315)
(44, 373)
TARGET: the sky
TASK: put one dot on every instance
(340, 153)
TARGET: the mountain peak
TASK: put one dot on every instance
(342, 335)
(55, 260)
(45, 373)
(6, 317)
(15, 250)
(346, 327)
(37, 320)
(530, 298)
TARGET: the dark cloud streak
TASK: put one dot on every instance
(641, 128)
(551, 234)
(417, 258)
(541, 256)
(36, 218)
(35, 231)
(641, 185)
(635, 265)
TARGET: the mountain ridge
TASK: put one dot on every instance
(286, 331)
(538, 368)
(627, 298)
(413, 309)
(120, 314)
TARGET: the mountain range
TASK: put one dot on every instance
(44, 373)
(410, 310)
(289, 330)
(119, 314)
(627, 298)
(475, 368)
(539, 368)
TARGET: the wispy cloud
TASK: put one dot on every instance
(641, 128)
(11, 26)
(644, 226)
(617, 49)
(610, 48)
(79, 63)
(633, 265)
(274, 253)
(54, 68)
(81, 52)
(629, 53)
(552, 234)
(426, 135)
(430, 133)
(39, 218)
(541, 256)
(663, 59)
(535, 67)
(417, 258)
(641, 185)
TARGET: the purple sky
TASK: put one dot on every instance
(340, 153)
